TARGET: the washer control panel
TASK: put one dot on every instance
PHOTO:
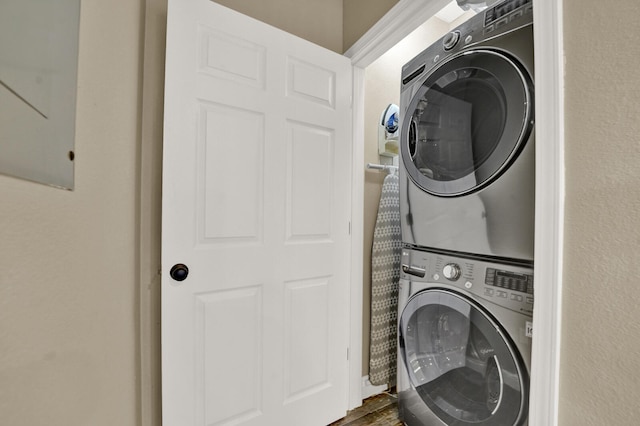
(510, 286)
(522, 283)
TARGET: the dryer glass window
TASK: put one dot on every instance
(466, 122)
(459, 362)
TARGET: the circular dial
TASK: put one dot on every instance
(451, 271)
(450, 40)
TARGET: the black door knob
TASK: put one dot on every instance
(179, 272)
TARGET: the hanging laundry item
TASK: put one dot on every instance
(385, 274)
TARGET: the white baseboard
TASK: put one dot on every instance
(369, 390)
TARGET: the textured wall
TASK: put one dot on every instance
(600, 372)
(68, 281)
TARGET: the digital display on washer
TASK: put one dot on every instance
(509, 280)
(497, 12)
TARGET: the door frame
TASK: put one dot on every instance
(402, 19)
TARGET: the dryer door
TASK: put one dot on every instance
(461, 362)
(467, 122)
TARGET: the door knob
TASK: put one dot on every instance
(179, 272)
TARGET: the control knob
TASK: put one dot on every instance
(451, 271)
(450, 40)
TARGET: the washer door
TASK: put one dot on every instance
(466, 122)
(461, 362)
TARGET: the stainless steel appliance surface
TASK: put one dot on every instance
(464, 340)
(467, 139)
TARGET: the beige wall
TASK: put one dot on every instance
(359, 16)
(68, 260)
(334, 24)
(150, 209)
(319, 21)
(600, 369)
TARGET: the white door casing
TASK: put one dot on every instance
(257, 203)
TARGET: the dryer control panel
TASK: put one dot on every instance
(506, 8)
(507, 13)
(505, 17)
(510, 286)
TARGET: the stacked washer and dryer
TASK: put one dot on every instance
(467, 213)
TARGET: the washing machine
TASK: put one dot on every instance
(464, 340)
(467, 138)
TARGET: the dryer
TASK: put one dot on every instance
(464, 340)
(467, 138)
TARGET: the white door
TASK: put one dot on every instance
(256, 204)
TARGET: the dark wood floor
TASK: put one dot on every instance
(379, 410)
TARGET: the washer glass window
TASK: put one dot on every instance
(460, 362)
(466, 122)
